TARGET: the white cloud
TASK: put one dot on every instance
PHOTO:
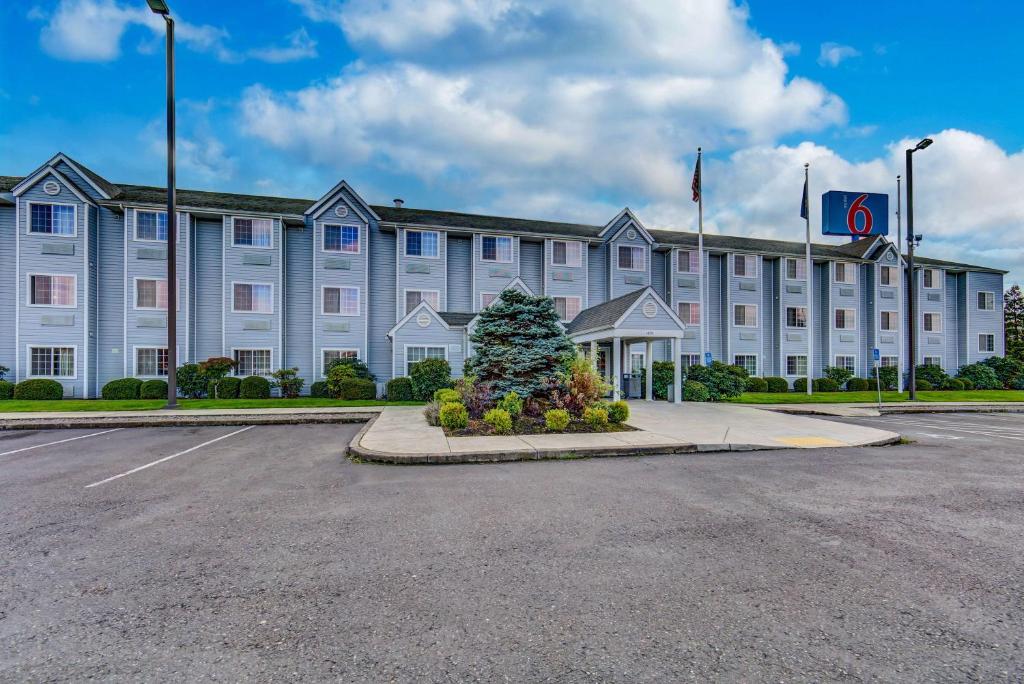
(833, 53)
(300, 46)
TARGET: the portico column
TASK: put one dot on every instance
(649, 362)
(593, 354)
(616, 368)
(677, 370)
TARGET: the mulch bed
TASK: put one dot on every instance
(526, 425)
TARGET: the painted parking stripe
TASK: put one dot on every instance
(167, 458)
(59, 441)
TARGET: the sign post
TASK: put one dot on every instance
(876, 355)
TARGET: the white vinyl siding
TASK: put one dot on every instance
(252, 232)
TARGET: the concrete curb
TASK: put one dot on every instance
(873, 411)
(934, 408)
(166, 420)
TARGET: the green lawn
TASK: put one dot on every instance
(12, 406)
(872, 397)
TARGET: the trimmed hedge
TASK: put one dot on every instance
(445, 395)
(777, 385)
(696, 391)
(954, 384)
(968, 383)
(618, 412)
(512, 404)
(153, 389)
(399, 389)
(800, 385)
(502, 422)
(319, 389)
(6, 390)
(595, 417)
(125, 388)
(981, 376)
(428, 376)
(556, 420)
(453, 416)
(226, 388)
(923, 385)
(858, 385)
(825, 385)
(39, 389)
(358, 388)
(254, 387)
(756, 385)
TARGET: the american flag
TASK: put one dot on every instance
(695, 185)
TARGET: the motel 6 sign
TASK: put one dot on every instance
(854, 213)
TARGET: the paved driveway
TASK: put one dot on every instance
(264, 555)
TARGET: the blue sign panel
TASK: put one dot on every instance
(707, 358)
(854, 213)
(876, 354)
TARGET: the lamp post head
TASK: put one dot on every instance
(159, 7)
(923, 144)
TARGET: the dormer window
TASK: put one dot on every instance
(52, 219)
(888, 275)
(631, 258)
(497, 249)
(341, 239)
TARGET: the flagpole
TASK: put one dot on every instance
(809, 267)
(700, 255)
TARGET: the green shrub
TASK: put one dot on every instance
(556, 420)
(191, 381)
(777, 385)
(858, 385)
(227, 387)
(889, 377)
(595, 417)
(319, 389)
(453, 416)
(215, 368)
(288, 381)
(428, 376)
(695, 391)
(39, 389)
(125, 388)
(446, 394)
(500, 421)
(838, 375)
(954, 385)
(968, 383)
(757, 385)
(4, 370)
(618, 412)
(933, 375)
(399, 389)
(722, 381)
(359, 368)
(981, 376)
(800, 385)
(153, 389)
(6, 389)
(1010, 371)
(663, 373)
(511, 403)
(358, 388)
(254, 387)
(923, 385)
(825, 385)
(337, 374)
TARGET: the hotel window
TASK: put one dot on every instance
(987, 301)
(931, 278)
(52, 362)
(252, 232)
(417, 354)
(341, 239)
(687, 262)
(252, 362)
(566, 253)
(341, 301)
(150, 361)
(689, 312)
(150, 294)
(253, 298)
(745, 315)
(890, 362)
(567, 308)
(52, 290)
(846, 319)
(890, 321)
(933, 322)
(933, 361)
(744, 265)
(329, 356)
(847, 362)
(151, 225)
(498, 249)
(414, 297)
(986, 343)
(888, 275)
(487, 298)
(631, 258)
(747, 362)
(796, 365)
(796, 269)
(420, 243)
(689, 360)
(52, 219)
(846, 273)
(796, 316)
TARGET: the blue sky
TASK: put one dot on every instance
(541, 108)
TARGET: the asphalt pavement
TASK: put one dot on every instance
(213, 553)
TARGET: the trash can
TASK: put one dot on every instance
(631, 388)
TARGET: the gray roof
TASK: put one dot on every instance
(201, 199)
(604, 315)
(456, 319)
(451, 219)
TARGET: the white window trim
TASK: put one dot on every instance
(405, 295)
(28, 291)
(849, 267)
(881, 269)
(323, 362)
(359, 300)
(931, 313)
(687, 251)
(786, 314)
(252, 313)
(757, 364)
(135, 360)
(987, 292)
(699, 311)
(757, 316)
(28, 220)
(551, 257)
(937, 279)
(405, 353)
(568, 297)
(785, 270)
(405, 244)
(787, 374)
(895, 314)
(234, 371)
(323, 238)
(135, 294)
(835, 361)
(135, 227)
(732, 265)
(484, 294)
(512, 249)
(643, 258)
(987, 351)
(894, 357)
(847, 310)
(231, 227)
(924, 360)
(28, 359)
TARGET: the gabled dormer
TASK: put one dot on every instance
(629, 254)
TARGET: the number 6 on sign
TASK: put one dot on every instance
(854, 213)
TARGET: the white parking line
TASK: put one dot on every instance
(167, 458)
(59, 441)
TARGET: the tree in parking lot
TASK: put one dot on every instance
(1013, 315)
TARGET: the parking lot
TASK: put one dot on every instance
(243, 553)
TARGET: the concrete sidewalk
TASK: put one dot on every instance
(401, 435)
(46, 420)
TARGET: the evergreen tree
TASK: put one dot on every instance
(1013, 315)
(519, 345)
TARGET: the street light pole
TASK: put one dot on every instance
(161, 8)
(912, 240)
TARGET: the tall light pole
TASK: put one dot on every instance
(160, 7)
(912, 240)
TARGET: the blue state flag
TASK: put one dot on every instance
(805, 210)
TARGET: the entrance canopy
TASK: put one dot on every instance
(640, 316)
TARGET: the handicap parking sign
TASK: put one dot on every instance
(876, 354)
(707, 358)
